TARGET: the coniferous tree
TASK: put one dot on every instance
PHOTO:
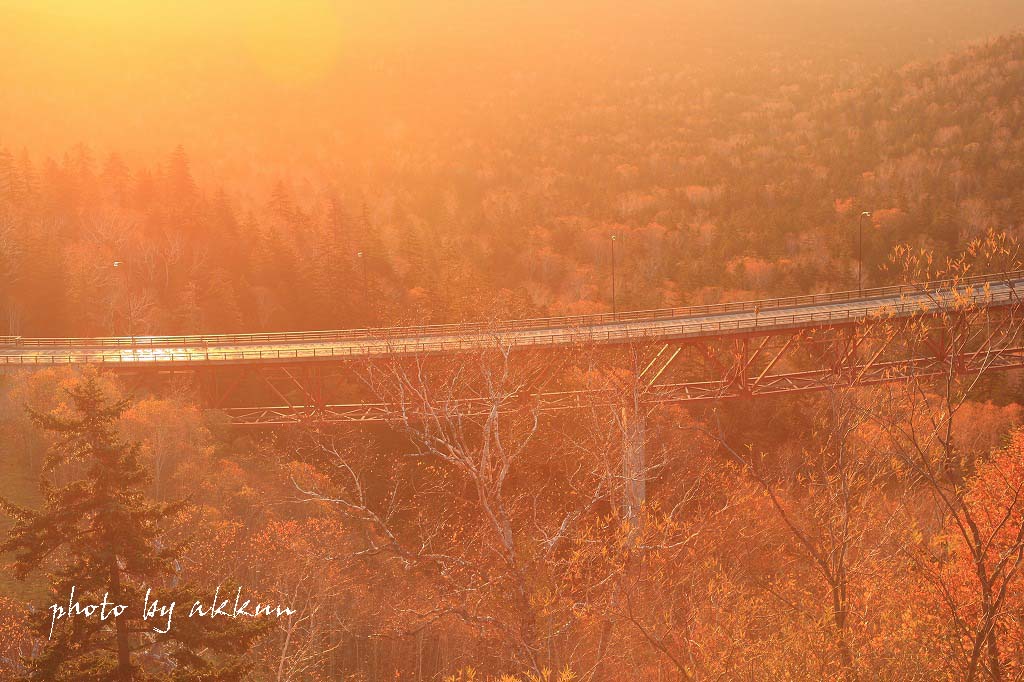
(101, 537)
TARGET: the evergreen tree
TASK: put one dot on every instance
(8, 176)
(181, 187)
(100, 536)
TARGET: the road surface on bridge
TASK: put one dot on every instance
(766, 316)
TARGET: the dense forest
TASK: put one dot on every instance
(853, 533)
(749, 189)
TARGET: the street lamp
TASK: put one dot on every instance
(860, 249)
(126, 269)
(362, 263)
(613, 276)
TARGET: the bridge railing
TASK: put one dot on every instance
(411, 344)
(203, 341)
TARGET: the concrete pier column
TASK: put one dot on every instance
(634, 464)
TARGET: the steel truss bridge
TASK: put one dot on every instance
(689, 354)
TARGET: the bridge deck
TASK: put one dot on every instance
(701, 321)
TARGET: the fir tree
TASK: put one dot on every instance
(100, 535)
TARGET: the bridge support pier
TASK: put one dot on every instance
(633, 423)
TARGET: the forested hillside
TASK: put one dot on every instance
(849, 504)
(716, 190)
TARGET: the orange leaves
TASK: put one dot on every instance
(887, 218)
(174, 440)
(983, 427)
(997, 497)
(469, 674)
(843, 206)
(698, 195)
(753, 273)
(16, 639)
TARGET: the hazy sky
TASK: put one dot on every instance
(144, 75)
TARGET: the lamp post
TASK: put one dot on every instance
(366, 287)
(614, 310)
(860, 249)
(362, 265)
(124, 267)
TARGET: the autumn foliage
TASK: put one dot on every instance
(478, 530)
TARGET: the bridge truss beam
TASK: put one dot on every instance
(689, 371)
(972, 336)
